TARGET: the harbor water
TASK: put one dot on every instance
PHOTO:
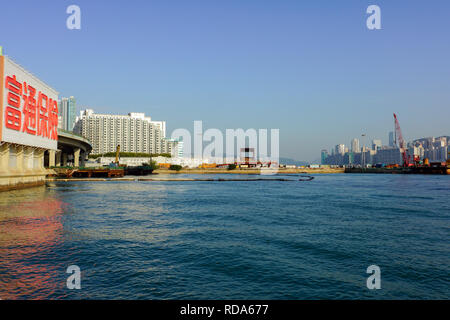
(228, 239)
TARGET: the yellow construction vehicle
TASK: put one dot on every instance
(115, 164)
(117, 154)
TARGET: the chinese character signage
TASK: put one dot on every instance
(29, 108)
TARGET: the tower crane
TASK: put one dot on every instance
(401, 142)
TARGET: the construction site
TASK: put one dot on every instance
(411, 163)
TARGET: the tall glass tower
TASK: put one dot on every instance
(323, 156)
(67, 113)
(71, 113)
(391, 139)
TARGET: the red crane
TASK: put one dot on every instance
(401, 142)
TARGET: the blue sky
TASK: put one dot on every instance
(310, 68)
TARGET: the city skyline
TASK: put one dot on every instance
(213, 62)
(434, 149)
(369, 142)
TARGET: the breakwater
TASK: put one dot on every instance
(289, 178)
(251, 171)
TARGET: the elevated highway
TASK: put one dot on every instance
(72, 150)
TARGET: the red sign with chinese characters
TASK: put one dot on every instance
(30, 108)
(30, 111)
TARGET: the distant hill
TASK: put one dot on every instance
(293, 162)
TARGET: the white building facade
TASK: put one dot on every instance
(133, 132)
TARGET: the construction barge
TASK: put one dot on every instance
(403, 170)
(105, 172)
(89, 172)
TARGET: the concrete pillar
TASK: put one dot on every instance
(76, 157)
(39, 159)
(27, 158)
(64, 159)
(19, 158)
(83, 159)
(51, 158)
(58, 158)
(4, 158)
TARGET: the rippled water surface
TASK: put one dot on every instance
(229, 240)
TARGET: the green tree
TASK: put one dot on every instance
(153, 165)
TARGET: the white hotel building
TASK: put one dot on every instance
(133, 132)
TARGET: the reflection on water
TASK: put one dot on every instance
(30, 227)
(38, 241)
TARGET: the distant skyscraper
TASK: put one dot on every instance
(67, 113)
(340, 149)
(323, 156)
(376, 143)
(391, 139)
(355, 146)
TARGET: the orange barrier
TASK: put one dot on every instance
(207, 165)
